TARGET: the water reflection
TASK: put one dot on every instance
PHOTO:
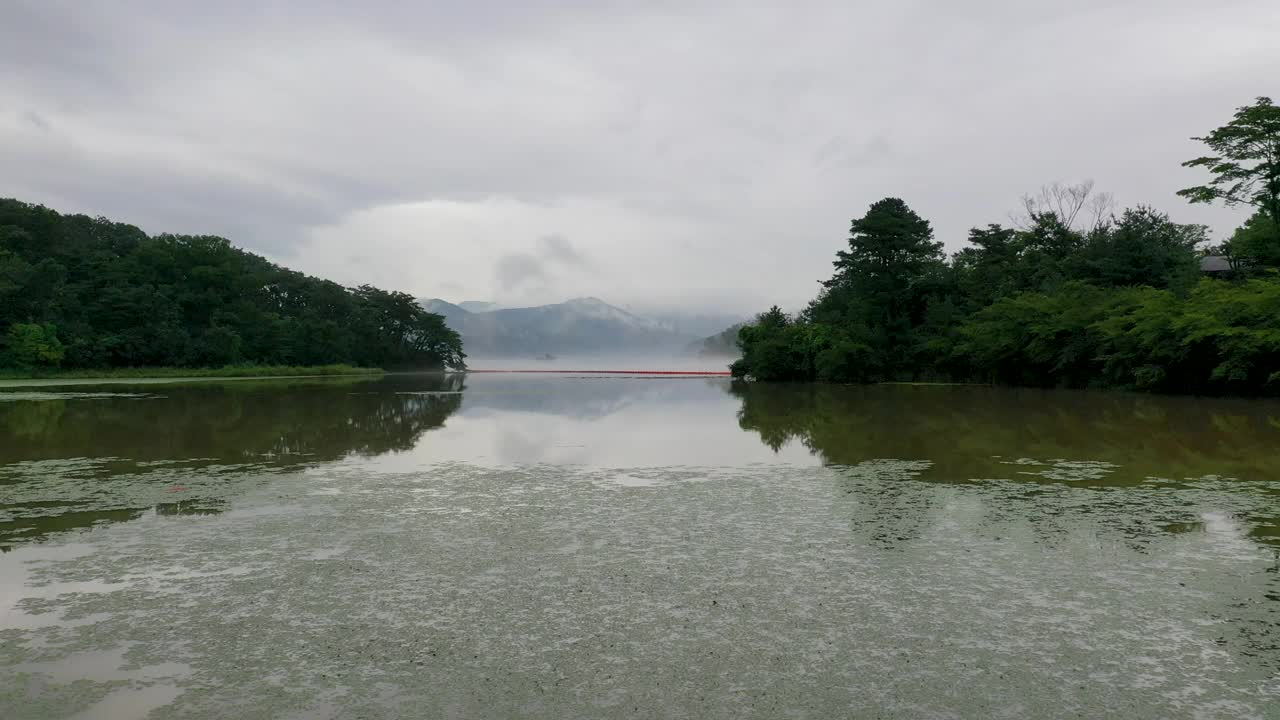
(71, 460)
(279, 422)
(968, 432)
(603, 422)
(76, 458)
(980, 434)
(1193, 481)
(564, 547)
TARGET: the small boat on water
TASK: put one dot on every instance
(544, 357)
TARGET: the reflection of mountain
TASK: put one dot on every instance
(584, 399)
(584, 326)
(76, 462)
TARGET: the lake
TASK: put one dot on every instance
(560, 546)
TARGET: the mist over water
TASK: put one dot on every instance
(552, 546)
(684, 362)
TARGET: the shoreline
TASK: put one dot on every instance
(176, 374)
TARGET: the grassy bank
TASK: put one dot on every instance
(229, 371)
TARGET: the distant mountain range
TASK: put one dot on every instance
(476, 306)
(580, 326)
(697, 324)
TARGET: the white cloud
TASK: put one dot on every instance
(637, 259)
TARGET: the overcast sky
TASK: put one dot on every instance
(704, 155)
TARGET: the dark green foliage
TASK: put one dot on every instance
(1142, 247)
(885, 280)
(106, 295)
(1035, 338)
(1119, 305)
(1218, 338)
(989, 269)
(224, 371)
(1256, 244)
(1048, 252)
(1246, 168)
(771, 346)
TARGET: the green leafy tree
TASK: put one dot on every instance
(1256, 243)
(120, 298)
(1246, 163)
(31, 345)
(773, 319)
(1120, 305)
(767, 351)
(15, 274)
(396, 328)
(1048, 253)
(218, 346)
(881, 282)
(1143, 247)
(1039, 338)
(889, 248)
(989, 267)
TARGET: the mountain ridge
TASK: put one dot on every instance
(582, 325)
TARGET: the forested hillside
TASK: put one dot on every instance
(1072, 295)
(82, 292)
(722, 344)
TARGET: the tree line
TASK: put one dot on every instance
(1072, 294)
(83, 292)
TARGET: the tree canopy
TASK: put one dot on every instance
(1115, 301)
(82, 292)
(1246, 168)
(1246, 171)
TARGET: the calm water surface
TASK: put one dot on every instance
(578, 547)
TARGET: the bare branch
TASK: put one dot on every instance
(1076, 206)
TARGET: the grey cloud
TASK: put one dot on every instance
(36, 120)
(518, 271)
(532, 274)
(557, 248)
(160, 196)
(765, 125)
(839, 153)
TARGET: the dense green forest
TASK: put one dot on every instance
(1072, 295)
(88, 293)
